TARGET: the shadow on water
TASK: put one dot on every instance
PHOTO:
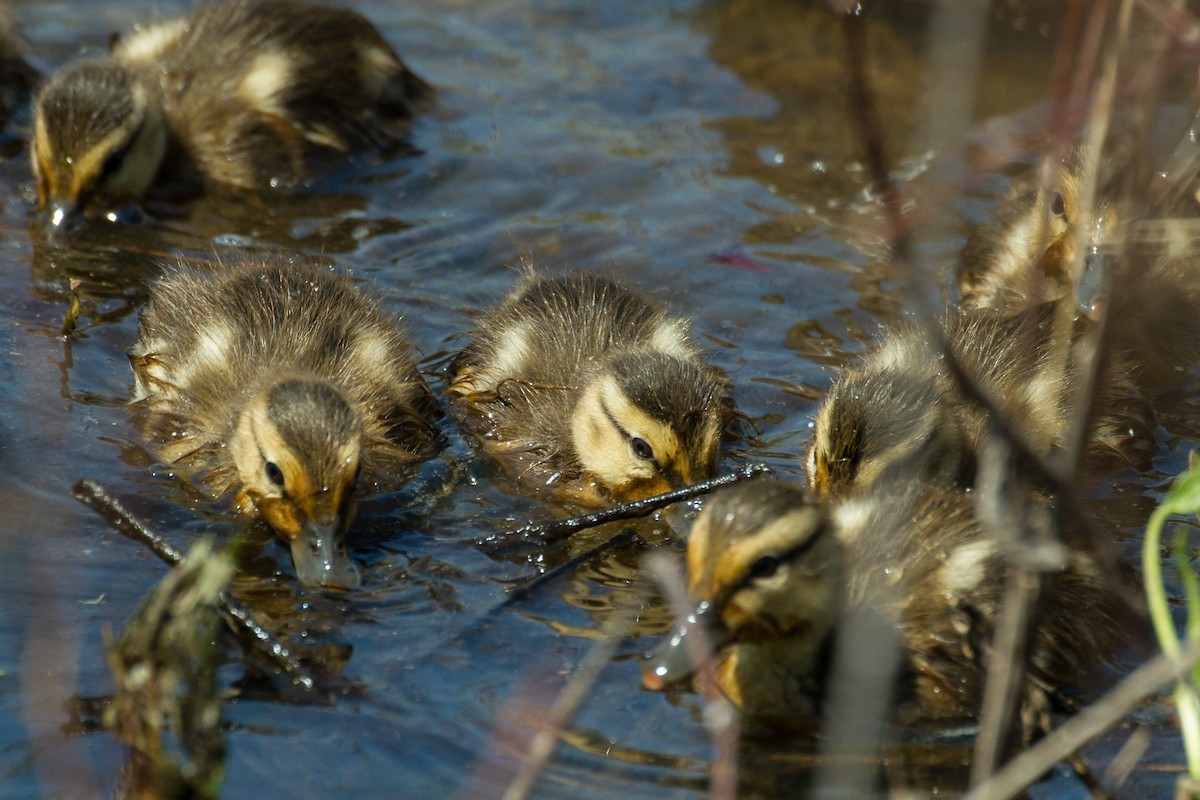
(698, 150)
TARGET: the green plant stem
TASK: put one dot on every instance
(1186, 702)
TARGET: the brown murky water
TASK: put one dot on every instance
(700, 151)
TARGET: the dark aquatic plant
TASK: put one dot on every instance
(167, 703)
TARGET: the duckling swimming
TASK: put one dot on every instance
(1025, 256)
(586, 389)
(282, 384)
(774, 573)
(244, 94)
(904, 405)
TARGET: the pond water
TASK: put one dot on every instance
(700, 151)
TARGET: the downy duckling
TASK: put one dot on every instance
(1024, 256)
(285, 385)
(243, 94)
(903, 405)
(775, 574)
(1150, 291)
(588, 390)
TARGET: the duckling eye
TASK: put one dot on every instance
(1057, 207)
(274, 474)
(642, 449)
(765, 567)
(115, 159)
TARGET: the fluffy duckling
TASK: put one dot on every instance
(903, 405)
(588, 390)
(1024, 258)
(286, 386)
(243, 94)
(774, 574)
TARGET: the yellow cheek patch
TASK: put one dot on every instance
(283, 516)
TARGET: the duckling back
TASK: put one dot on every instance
(578, 380)
(253, 89)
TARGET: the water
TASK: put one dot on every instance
(699, 151)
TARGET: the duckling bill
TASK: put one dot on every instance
(774, 573)
(589, 391)
(285, 386)
(245, 94)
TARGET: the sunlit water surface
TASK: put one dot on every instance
(699, 151)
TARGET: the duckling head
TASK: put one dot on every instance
(98, 141)
(298, 451)
(875, 422)
(1026, 257)
(764, 569)
(648, 423)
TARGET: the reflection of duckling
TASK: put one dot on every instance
(774, 573)
(282, 383)
(586, 388)
(242, 94)
(903, 406)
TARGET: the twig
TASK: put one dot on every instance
(543, 743)
(262, 641)
(1028, 767)
(720, 714)
(870, 132)
(551, 531)
(521, 592)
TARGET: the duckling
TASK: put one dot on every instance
(588, 390)
(244, 94)
(774, 573)
(903, 405)
(282, 384)
(1024, 258)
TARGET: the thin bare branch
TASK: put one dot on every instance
(254, 636)
(1027, 768)
(720, 715)
(545, 740)
(551, 531)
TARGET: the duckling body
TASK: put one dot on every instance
(244, 94)
(903, 405)
(774, 573)
(586, 389)
(286, 386)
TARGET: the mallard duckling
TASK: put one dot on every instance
(243, 94)
(774, 573)
(1024, 258)
(588, 390)
(903, 405)
(285, 385)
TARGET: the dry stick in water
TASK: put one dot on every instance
(262, 641)
(1028, 767)
(720, 715)
(544, 533)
